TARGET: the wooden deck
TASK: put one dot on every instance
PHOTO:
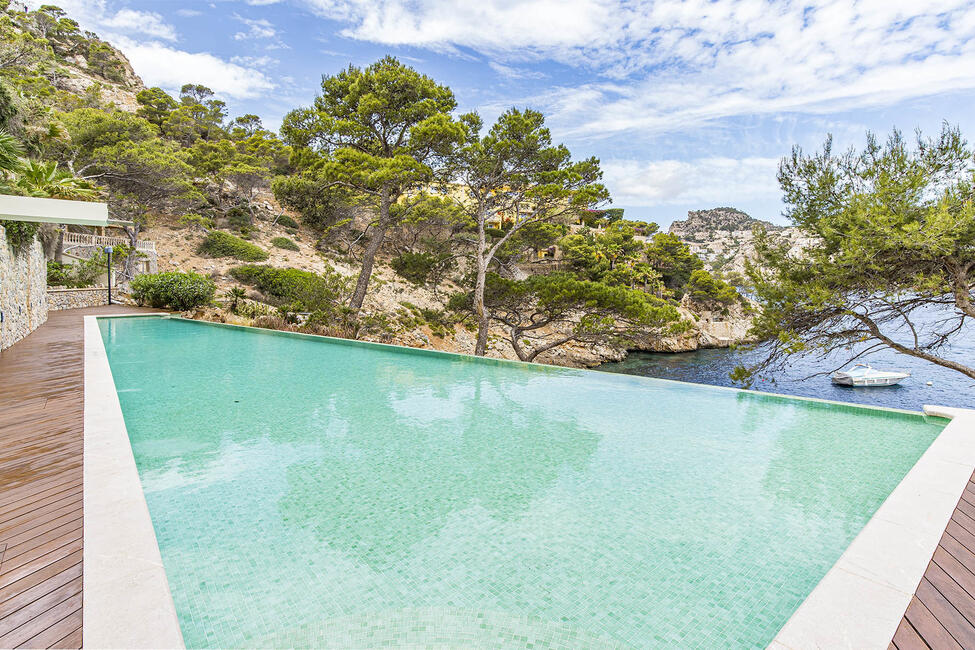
(41, 435)
(942, 611)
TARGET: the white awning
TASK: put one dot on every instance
(29, 208)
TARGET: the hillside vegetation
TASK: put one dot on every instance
(420, 225)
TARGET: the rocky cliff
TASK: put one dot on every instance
(725, 237)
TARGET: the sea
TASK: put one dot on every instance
(928, 384)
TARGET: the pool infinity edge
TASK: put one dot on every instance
(858, 603)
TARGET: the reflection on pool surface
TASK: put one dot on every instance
(306, 492)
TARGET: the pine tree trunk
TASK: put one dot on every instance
(483, 319)
(369, 255)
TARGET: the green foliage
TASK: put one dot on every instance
(419, 267)
(239, 218)
(46, 179)
(578, 310)
(58, 274)
(595, 255)
(155, 105)
(309, 194)
(533, 237)
(235, 295)
(704, 287)
(83, 273)
(10, 152)
(180, 291)
(222, 244)
(287, 222)
(894, 232)
(20, 234)
(194, 219)
(378, 132)
(105, 61)
(672, 259)
(600, 218)
(285, 243)
(8, 107)
(302, 290)
(440, 322)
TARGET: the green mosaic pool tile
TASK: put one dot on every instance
(306, 493)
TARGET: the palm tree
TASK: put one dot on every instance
(43, 178)
(10, 160)
(236, 294)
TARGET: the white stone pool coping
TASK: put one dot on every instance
(858, 604)
(126, 596)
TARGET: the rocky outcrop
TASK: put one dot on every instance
(78, 78)
(725, 237)
(23, 290)
(712, 326)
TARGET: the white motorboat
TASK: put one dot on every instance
(863, 374)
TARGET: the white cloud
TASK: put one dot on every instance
(95, 14)
(254, 61)
(141, 22)
(704, 181)
(510, 72)
(188, 13)
(161, 65)
(257, 28)
(666, 65)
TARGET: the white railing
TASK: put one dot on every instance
(81, 239)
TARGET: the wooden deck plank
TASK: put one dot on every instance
(956, 570)
(73, 640)
(24, 598)
(907, 638)
(38, 607)
(942, 612)
(67, 530)
(52, 635)
(928, 627)
(957, 625)
(29, 499)
(25, 634)
(41, 473)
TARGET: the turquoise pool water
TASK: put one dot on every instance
(306, 492)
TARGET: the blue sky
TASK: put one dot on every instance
(688, 105)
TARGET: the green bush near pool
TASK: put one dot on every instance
(305, 290)
(285, 243)
(222, 244)
(180, 291)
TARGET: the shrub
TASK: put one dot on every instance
(196, 220)
(84, 272)
(704, 287)
(271, 322)
(285, 243)
(20, 233)
(305, 290)
(181, 291)
(418, 268)
(59, 274)
(239, 218)
(287, 222)
(221, 244)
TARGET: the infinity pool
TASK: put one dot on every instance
(312, 492)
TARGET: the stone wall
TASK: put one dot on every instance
(23, 290)
(58, 299)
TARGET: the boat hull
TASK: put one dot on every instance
(867, 381)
